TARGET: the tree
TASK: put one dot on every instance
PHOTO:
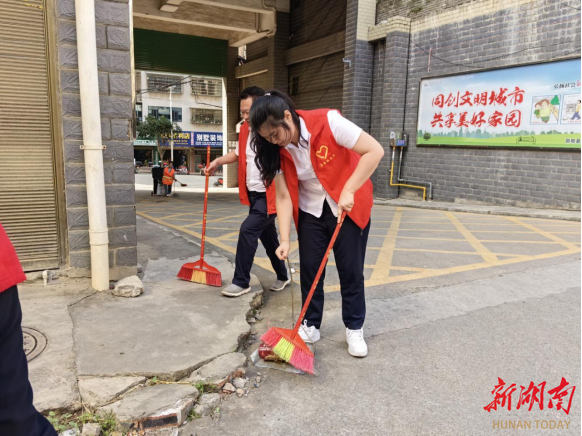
(427, 136)
(158, 129)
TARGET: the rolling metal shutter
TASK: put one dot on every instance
(28, 209)
(175, 53)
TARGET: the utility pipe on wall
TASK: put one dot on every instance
(92, 145)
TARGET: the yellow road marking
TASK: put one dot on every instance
(475, 243)
(544, 233)
(467, 253)
(457, 269)
(384, 260)
(223, 219)
(398, 219)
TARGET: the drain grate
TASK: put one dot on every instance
(34, 342)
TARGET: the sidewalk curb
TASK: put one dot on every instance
(565, 215)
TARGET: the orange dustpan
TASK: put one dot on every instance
(286, 343)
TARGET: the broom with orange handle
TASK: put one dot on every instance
(286, 343)
(200, 271)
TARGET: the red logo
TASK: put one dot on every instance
(559, 397)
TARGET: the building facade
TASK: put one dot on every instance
(368, 58)
(197, 108)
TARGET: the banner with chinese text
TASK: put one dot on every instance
(528, 106)
(196, 139)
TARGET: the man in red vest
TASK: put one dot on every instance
(18, 417)
(260, 224)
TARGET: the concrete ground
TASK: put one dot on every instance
(166, 333)
(455, 301)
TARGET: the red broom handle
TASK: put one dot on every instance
(205, 205)
(318, 276)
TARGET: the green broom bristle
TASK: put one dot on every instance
(284, 349)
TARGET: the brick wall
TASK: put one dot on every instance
(257, 49)
(357, 87)
(114, 63)
(315, 19)
(320, 82)
(464, 35)
(320, 79)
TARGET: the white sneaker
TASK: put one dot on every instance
(309, 334)
(356, 344)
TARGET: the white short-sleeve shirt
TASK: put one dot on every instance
(254, 182)
(311, 192)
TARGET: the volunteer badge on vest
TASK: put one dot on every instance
(322, 154)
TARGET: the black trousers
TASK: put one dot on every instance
(258, 225)
(18, 417)
(349, 252)
(156, 182)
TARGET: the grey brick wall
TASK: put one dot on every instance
(114, 63)
(528, 178)
(357, 84)
(320, 79)
(315, 19)
(278, 44)
(320, 82)
(258, 49)
(261, 80)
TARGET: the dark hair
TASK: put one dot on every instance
(252, 91)
(270, 109)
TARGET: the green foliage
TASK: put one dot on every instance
(62, 422)
(427, 136)
(204, 388)
(156, 128)
(68, 421)
(192, 415)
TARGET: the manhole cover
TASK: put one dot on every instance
(34, 342)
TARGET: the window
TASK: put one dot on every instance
(138, 112)
(205, 116)
(294, 86)
(161, 111)
(212, 87)
(162, 83)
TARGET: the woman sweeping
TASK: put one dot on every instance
(321, 164)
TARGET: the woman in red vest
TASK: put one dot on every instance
(321, 164)
(18, 417)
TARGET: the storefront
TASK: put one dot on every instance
(190, 150)
(146, 152)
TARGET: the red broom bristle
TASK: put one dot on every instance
(185, 272)
(213, 279)
(271, 338)
(301, 360)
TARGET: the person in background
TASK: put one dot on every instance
(18, 417)
(168, 178)
(260, 224)
(157, 174)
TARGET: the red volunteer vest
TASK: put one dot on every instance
(242, 173)
(10, 270)
(333, 165)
